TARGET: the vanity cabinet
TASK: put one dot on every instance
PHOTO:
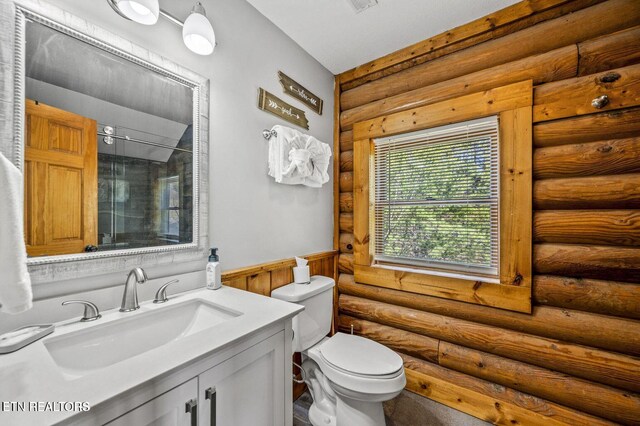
(246, 389)
(168, 409)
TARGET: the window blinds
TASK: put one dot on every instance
(435, 198)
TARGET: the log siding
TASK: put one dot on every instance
(576, 358)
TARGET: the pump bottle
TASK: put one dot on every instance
(214, 274)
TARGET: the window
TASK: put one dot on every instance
(442, 199)
(436, 198)
(170, 206)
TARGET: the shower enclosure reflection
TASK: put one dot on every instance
(144, 198)
(109, 152)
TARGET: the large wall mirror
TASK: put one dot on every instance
(109, 143)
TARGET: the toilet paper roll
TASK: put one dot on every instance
(301, 275)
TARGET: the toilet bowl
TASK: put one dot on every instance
(354, 373)
(349, 377)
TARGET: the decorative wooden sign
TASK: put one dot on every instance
(298, 91)
(276, 106)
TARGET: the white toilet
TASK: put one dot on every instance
(348, 376)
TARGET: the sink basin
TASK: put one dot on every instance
(81, 352)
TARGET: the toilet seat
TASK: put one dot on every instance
(360, 356)
(370, 386)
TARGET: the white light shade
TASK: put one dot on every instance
(198, 35)
(142, 11)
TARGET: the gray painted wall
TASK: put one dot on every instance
(252, 219)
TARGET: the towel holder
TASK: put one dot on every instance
(268, 133)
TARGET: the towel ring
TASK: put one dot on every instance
(268, 133)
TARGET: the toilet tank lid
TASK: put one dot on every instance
(298, 292)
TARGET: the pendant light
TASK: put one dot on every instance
(145, 12)
(197, 32)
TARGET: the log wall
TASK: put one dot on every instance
(576, 359)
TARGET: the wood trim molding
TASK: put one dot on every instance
(362, 156)
(509, 297)
(336, 163)
(513, 104)
(475, 105)
(272, 266)
(516, 199)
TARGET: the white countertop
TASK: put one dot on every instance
(30, 374)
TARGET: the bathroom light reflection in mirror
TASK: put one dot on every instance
(108, 150)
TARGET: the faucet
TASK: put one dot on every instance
(91, 311)
(130, 296)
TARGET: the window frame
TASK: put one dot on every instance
(385, 147)
(512, 289)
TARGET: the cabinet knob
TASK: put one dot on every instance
(600, 102)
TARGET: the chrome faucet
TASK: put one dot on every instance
(161, 294)
(130, 296)
(91, 311)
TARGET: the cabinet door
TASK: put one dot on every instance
(177, 407)
(248, 389)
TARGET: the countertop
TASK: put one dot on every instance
(30, 374)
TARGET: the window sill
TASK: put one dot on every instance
(464, 289)
(435, 272)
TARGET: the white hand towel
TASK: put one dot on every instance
(15, 282)
(298, 159)
(299, 163)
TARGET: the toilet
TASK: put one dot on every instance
(349, 376)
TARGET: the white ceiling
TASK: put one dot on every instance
(340, 39)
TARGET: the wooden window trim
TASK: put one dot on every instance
(513, 105)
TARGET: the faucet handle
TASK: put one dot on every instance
(161, 294)
(91, 312)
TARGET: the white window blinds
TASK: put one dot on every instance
(435, 198)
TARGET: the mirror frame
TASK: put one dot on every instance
(13, 17)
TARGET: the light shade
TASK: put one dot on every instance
(142, 11)
(197, 33)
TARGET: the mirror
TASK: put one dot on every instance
(109, 157)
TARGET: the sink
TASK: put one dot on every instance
(82, 352)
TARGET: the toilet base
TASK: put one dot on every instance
(349, 413)
(359, 413)
(319, 418)
(335, 406)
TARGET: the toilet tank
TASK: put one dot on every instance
(314, 323)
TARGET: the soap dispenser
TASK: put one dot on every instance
(214, 274)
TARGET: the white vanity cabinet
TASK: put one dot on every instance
(246, 389)
(236, 372)
(168, 409)
(249, 388)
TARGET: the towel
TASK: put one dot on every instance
(15, 283)
(298, 159)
